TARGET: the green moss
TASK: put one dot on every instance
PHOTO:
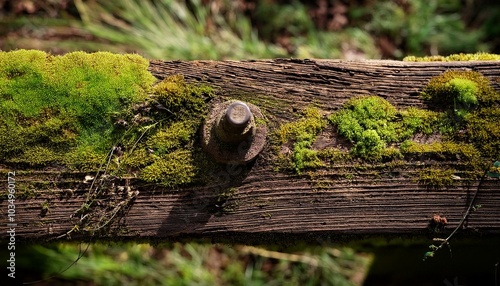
(464, 97)
(166, 153)
(303, 133)
(304, 129)
(183, 101)
(379, 132)
(466, 90)
(84, 158)
(375, 127)
(65, 110)
(418, 120)
(368, 123)
(57, 134)
(36, 156)
(454, 57)
(436, 178)
(371, 123)
(483, 130)
(462, 87)
(160, 142)
(55, 103)
(475, 116)
(45, 208)
(137, 159)
(177, 135)
(366, 113)
(304, 157)
(333, 155)
(390, 154)
(369, 146)
(172, 169)
(441, 150)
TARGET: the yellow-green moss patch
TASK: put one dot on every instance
(333, 155)
(472, 106)
(483, 130)
(441, 150)
(378, 132)
(36, 156)
(178, 134)
(163, 150)
(302, 133)
(454, 57)
(84, 158)
(418, 120)
(171, 169)
(452, 88)
(306, 128)
(436, 178)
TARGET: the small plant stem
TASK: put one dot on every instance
(467, 213)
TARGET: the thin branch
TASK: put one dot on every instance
(462, 221)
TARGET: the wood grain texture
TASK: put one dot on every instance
(256, 203)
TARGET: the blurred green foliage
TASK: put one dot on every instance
(195, 264)
(420, 27)
(222, 29)
(168, 29)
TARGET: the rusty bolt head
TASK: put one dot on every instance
(236, 124)
(238, 115)
(230, 133)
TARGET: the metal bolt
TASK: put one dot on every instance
(238, 115)
(230, 133)
(236, 124)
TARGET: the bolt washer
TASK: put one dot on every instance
(233, 152)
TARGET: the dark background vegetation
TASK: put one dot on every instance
(222, 29)
(242, 29)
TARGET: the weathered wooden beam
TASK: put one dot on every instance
(256, 202)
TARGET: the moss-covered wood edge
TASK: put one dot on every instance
(107, 145)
